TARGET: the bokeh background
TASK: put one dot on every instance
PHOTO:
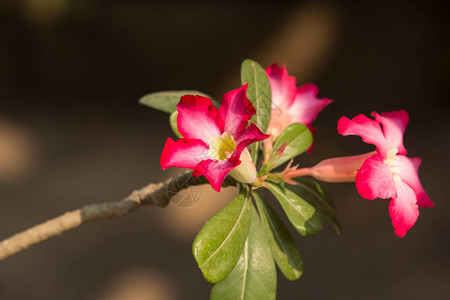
(72, 133)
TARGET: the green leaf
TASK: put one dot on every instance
(219, 243)
(298, 139)
(284, 249)
(254, 276)
(302, 215)
(312, 192)
(174, 124)
(259, 93)
(167, 101)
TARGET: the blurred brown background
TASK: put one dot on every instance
(72, 133)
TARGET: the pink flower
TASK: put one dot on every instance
(384, 173)
(291, 104)
(215, 140)
(388, 173)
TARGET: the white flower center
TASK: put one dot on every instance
(391, 161)
(222, 146)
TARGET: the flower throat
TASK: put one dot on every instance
(222, 146)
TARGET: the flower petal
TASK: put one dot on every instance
(374, 179)
(306, 105)
(216, 170)
(236, 110)
(312, 129)
(280, 119)
(251, 135)
(183, 153)
(394, 125)
(408, 169)
(282, 86)
(368, 129)
(198, 118)
(403, 209)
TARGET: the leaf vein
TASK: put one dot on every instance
(228, 236)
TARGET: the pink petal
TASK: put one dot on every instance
(374, 179)
(312, 129)
(198, 118)
(408, 169)
(394, 125)
(279, 120)
(282, 85)
(183, 153)
(251, 135)
(368, 129)
(216, 170)
(306, 105)
(403, 208)
(236, 110)
(399, 117)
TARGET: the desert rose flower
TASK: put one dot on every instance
(291, 104)
(215, 140)
(386, 173)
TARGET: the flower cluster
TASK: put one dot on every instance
(215, 141)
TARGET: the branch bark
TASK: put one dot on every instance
(157, 194)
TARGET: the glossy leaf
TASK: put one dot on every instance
(312, 192)
(297, 138)
(174, 124)
(260, 95)
(167, 101)
(219, 243)
(300, 213)
(254, 276)
(258, 92)
(282, 245)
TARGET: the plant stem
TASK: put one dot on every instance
(157, 194)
